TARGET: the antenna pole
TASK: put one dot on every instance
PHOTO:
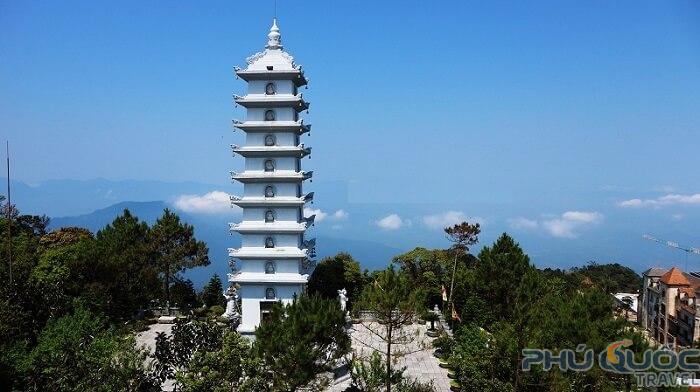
(9, 211)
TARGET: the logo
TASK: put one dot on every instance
(651, 368)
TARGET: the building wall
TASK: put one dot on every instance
(281, 240)
(281, 114)
(281, 189)
(252, 295)
(281, 213)
(281, 86)
(282, 266)
(281, 163)
(287, 139)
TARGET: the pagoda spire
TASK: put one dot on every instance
(274, 38)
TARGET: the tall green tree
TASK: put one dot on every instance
(479, 366)
(611, 278)
(462, 235)
(57, 277)
(499, 272)
(300, 341)
(394, 303)
(335, 273)
(184, 295)
(232, 367)
(18, 296)
(124, 277)
(175, 249)
(79, 352)
(427, 269)
(213, 292)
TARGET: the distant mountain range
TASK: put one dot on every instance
(615, 238)
(213, 229)
(76, 197)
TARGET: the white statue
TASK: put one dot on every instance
(343, 298)
(231, 295)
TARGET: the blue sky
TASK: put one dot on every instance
(539, 118)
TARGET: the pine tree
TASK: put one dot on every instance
(300, 341)
(175, 248)
(213, 292)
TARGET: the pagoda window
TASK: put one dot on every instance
(270, 267)
(269, 115)
(269, 242)
(270, 140)
(270, 67)
(270, 89)
(269, 165)
(269, 216)
(269, 191)
(270, 293)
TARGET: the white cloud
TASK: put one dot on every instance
(568, 225)
(392, 222)
(582, 216)
(680, 199)
(449, 218)
(340, 215)
(632, 203)
(666, 200)
(209, 203)
(321, 215)
(523, 223)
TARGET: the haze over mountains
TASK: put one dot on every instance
(213, 230)
(374, 232)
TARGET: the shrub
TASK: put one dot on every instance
(216, 310)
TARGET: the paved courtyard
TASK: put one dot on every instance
(419, 360)
(147, 339)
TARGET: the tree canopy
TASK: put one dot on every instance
(62, 319)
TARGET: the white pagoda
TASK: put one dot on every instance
(274, 260)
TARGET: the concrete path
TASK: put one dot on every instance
(147, 339)
(419, 361)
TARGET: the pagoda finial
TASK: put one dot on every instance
(274, 38)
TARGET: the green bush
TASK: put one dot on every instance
(216, 310)
(444, 343)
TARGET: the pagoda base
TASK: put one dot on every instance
(256, 303)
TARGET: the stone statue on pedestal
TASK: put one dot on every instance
(343, 298)
(232, 313)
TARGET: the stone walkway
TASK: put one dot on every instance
(419, 362)
(147, 339)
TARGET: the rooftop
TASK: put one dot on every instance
(655, 272)
(273, 62)
(675, 277)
